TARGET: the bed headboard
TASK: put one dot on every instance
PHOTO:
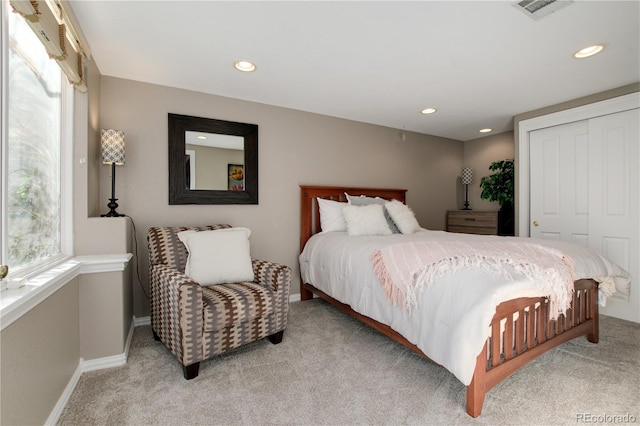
(309, 211)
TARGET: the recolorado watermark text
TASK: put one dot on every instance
(605, 418)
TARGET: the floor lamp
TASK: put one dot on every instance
(112, 142)
(467, 178)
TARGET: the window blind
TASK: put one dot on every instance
(56, 27)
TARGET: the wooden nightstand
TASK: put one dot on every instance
(472, 222)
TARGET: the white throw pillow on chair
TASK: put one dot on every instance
(218, 256)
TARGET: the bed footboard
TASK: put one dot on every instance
(521, 331)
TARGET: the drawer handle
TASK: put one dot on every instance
(470, 218)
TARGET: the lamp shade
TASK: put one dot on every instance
(467, 175)
(112, 146)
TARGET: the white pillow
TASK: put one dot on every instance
(364, 200)
(402, 216)
(331, 216)
(366, 220)
(218, 256)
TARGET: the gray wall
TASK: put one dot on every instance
(38, 355)
(294, 148)
(106, 313)
(479, 154)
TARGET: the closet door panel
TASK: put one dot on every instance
(559, 184)
(614, 190)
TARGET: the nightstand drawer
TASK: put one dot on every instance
(472, 222)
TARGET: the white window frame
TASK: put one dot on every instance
(66, 169)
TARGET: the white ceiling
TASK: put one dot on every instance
(478, 62)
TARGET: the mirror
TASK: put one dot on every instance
(212, 161)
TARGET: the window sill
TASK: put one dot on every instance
(14, 303)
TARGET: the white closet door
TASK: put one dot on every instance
(559, 188)
(614, 190)
(585, 188)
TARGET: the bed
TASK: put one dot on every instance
(518, 329)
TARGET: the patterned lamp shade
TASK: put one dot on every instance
(467, 175)
(112, 146)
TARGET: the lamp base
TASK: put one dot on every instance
(466, 197)
(112, 209)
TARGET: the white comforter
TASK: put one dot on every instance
(451, 318)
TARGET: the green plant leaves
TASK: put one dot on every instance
(499, 186)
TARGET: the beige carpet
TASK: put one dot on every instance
(330, 369)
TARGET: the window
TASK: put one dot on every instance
(34, 99)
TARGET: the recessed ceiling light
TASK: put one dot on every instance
(202, 137)
(588, 51)
(487, 130)
(245, 66)
(428, 111)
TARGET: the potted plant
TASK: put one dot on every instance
(499, 187)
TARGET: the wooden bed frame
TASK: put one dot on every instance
(520, 329)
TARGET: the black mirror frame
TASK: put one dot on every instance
(178, 191)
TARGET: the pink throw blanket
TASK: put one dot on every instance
(404, 268)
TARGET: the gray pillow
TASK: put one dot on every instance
(365, 201)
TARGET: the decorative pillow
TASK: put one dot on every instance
(331, 216)
(366, 220)
(218, 256)
(402, 216)
(365, 201)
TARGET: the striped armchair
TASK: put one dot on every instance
(197, 322)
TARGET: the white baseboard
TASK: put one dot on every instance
(294, 297)
(90, 365)
(54, 416)
(110, 361)
(102, 363)
(137, 322)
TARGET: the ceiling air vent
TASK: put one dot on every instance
(537, 9)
